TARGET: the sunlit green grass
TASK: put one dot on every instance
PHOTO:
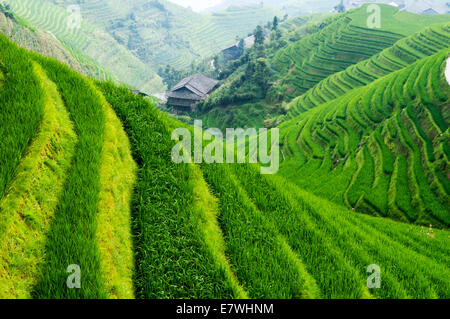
(207, 214)
(28, 209)
(88, 179)
(172, 258)
(117, 179)
(261, 255)
(22, 104)
(401, 250)
(72, 234)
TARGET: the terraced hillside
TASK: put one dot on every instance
(79, 187)
(401, 54)
(160, 32)
(89, 39)
(290, 7)
(59, 176)
(382, 148)
(133, 39)
(293, 24)
(343, 41)
(236, 103)
(27, 36)
(327, 58)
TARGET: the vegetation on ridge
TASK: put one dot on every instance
(87, 179)
(381, 147)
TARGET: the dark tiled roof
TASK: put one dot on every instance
(198, 84)
(184, 93)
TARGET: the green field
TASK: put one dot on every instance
(404, 52)
(139, 225)
(88, 182)
(318, 58)
(382, 147)
(343, 40)
(118, 36)
(46, 44)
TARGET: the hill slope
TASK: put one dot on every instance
(345, 40)
(161, 32)
(134, 38)
(404, 52)
(383, 148)
(77, 187)
(27, 36)
(89, 39)
(311, 70)
(59, 176)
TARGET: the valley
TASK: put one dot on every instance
(93, 204)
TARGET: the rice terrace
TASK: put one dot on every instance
(291, 149)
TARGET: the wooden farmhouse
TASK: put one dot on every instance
(184, 96)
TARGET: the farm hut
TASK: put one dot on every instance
(184, 96)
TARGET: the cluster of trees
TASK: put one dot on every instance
(170, 75)
(258, 70)
(250, 74)
(244, 80)
(209, 67)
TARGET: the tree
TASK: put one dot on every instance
(170, 75)
(216, 62)
(262, 74)
(241, 47)
(259, 35)
(6, 9)
(275, 23)
(249, 70)
(275, 35)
